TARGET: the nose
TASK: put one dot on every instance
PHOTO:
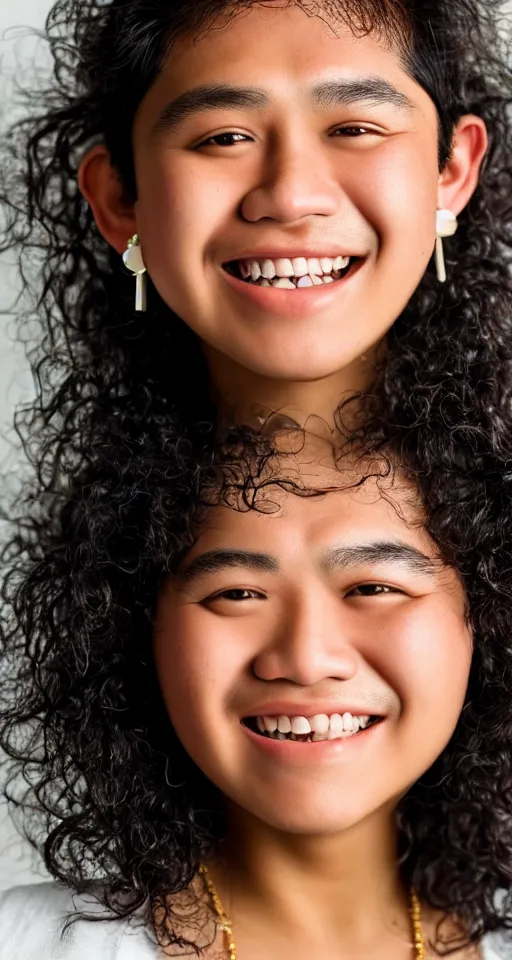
(310, 643)
(297, 182)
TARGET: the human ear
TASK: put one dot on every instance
(459, 178)
(100, 184)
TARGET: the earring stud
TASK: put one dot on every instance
(446, 226)
(134, 261)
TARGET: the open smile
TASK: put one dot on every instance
(292, 273)
(298, 738)
(316, 729)
(293, 297)
(305, 749)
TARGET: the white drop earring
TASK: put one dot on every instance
(446, 226)
(134, 261)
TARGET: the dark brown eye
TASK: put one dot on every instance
(237, 594)
(223, 140)
(352, 131)
(371, 590)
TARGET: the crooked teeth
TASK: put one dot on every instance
(296, 267)
(320, 723)
(319, 727)
(285, 283)
(300, 725)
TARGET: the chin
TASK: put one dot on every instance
(276, 364)
(310, 821)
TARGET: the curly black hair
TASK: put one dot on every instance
(123, 446)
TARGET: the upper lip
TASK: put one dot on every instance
(288, 254)
(279, 708)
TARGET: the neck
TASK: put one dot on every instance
(347, 886)
(247, 397)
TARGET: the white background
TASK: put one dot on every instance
(18, 52)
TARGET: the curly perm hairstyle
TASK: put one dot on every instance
(121, 443)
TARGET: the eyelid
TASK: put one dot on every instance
(219, 594)
(391, 587)
(370, 128)
(355, 125)
(220, 133)
(399, 578)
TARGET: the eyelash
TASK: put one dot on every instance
(225, 595)
(380, 588)
(350, 131)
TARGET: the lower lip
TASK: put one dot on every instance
(292, 303)
(298, 751)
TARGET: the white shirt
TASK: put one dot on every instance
(31, 920)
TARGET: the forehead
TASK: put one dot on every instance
(282, 43)
(290, 524)
(264, 27)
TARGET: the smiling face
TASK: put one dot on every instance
(325, 608)
(274, 144)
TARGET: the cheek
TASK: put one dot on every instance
(200, 668)
(429, 667)
(197, 663)
(180, 213)
(180, 205)
(399, 199)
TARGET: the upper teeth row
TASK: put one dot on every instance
(320, 723)
(298, 267)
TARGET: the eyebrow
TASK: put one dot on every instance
(381, 552)
(330, 93)
(215, 561)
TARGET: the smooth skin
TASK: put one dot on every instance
(290, 176)
(323, 604)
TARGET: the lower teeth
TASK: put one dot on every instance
(292, 283)
(312, 737)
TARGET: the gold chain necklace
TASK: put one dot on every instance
(420, 952)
